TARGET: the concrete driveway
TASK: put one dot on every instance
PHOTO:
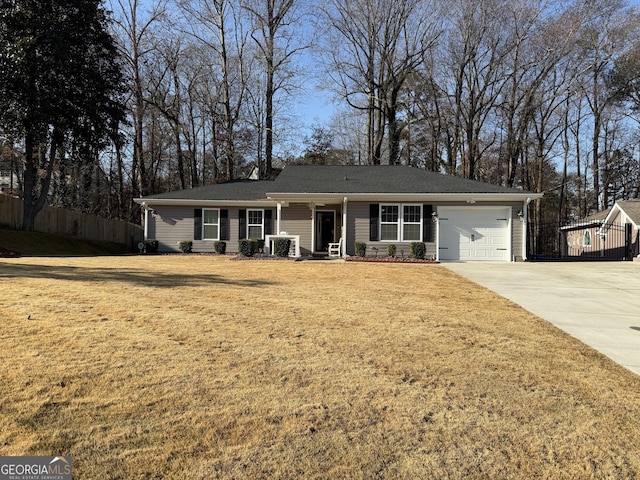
(595, 302)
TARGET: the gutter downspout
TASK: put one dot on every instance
(146, 221)
(525, 223)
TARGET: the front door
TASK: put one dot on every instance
(325, 230)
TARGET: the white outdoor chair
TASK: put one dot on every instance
(335, 248)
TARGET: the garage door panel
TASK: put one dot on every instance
(498, 254)
(480, 254)
(475, 233)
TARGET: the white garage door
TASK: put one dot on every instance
(475, 233)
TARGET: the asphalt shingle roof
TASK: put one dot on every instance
(632, 209)
(350, 179)
(375, 179)
(233, 190)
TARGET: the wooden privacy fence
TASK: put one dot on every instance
(59, 221)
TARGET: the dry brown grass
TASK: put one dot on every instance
(197, 367)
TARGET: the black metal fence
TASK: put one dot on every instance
(581, 241)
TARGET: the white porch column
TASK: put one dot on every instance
(343, 230)
(278, 217)
(437, 234)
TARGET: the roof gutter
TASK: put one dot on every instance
(273, 199)
(470, 198)
(181, 202)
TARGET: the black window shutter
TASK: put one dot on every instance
(374, 215)
(268, 226)
(224, 224)
(197, 224)
(242, 230)
(427, 223)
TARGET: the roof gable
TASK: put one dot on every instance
(630, 208)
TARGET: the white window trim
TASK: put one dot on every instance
(261, 225)
(396, 223)
(419, 222)
(204, 237)
(400, 223)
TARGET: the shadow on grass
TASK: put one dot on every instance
(134, 277)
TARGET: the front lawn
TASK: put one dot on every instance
(196, 367)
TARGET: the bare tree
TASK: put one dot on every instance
(376, 46)
(277, 44)
(606, 34)
(165, 92)
(135, 23)
(221, 27)
(478, 46)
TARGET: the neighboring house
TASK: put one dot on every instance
(582, 239)
(610, 234)
(458, 219)
(8, 177)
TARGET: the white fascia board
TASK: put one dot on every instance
(152, 202)
(404, 197)
(618, 208)
(611, 214)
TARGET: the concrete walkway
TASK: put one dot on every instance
(597, 303)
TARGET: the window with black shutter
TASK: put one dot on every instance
(197, 224)
(374, 215)
(242, 229)
(428, 230)
(224, 224)
(268, 222)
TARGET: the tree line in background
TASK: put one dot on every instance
(107, 103)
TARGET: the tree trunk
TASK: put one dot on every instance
(395, 130)
(28, 216)
(33, 204)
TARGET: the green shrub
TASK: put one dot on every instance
(417, 250)
(246, 247)
(185, 247)
(391, 250)
(361, 249)
(151, 246)
(258, 245)
(220, 247)
(281, 247)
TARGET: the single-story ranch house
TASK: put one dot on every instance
(314, 206)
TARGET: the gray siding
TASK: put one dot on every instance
(297, 220)
(173, 225)
(170, 226)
